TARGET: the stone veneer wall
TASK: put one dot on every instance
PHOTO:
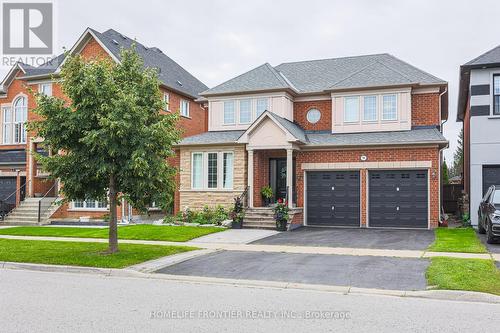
(196, 199)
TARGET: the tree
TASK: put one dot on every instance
(112, 139)
(458, 156)
(444, 172)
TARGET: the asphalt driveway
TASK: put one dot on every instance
(355, 271)
(493, 248)
(353, 238)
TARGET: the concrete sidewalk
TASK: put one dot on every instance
(277, 248)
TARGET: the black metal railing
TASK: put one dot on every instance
(41, 199)
(6, 207)
(244, 197)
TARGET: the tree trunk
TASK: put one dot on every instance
(113, 223)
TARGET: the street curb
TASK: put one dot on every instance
(448, 295)
(157, 264)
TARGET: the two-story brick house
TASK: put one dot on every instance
(479, 111)
(351, 142)
(19, 172)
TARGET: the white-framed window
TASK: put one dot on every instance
(313, 116)
(389, 107)
(197, 171)
(351, 109)
(229, 113)
(262, 105)
(20, 117)
(166, 100)
(227, 170)
(245, 111)
(45, 89)
(370, 108)
(8, 122)
(184, 108)
(90, 204)
(212, 170)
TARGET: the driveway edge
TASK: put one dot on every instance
(449, 295)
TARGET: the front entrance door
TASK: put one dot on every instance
(277, 177)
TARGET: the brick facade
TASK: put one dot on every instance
(425, 109)
(196, 123)
(300, 110)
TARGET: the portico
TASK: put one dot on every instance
(271, 146)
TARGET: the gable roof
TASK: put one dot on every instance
(170, 73)
(317, 76)
(488, 59)
(263, 77)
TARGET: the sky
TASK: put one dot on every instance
(216, 40)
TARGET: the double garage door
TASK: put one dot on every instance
(396, 198)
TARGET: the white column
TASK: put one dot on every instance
(250, 178)
(289, 176)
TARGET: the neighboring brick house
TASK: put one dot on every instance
(479, 111)
(19, 171)
(352, 141)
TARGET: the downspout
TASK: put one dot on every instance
(441, 128)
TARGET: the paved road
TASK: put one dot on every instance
(354, 271)
(57, 302)
(354, 238)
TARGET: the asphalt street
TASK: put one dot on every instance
(63, 302)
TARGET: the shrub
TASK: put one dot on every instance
(267, 192)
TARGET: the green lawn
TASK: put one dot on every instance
(82, 254)
(142, 232)
(457, 240)
(464, 274)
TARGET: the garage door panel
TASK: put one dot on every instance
(398, 198)
(7, 187)
(333, 198)
(491, 176)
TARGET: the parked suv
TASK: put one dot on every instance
(489, 214)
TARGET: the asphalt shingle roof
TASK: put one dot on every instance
(490, 57)
(414, 136)
(171, 74)
(291, 127)
(215, 137)
(329, 74)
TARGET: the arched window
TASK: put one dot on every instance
(20, 116)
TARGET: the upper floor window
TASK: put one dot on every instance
(261, 106)
(229, 112)
(496, 94)
(370, 108)
(351, 109)
(389, 107)
(212, 170)
(45, 89)
(313, 116)
(14, 121)
(166, 100)
(245, 111)
(184, 108)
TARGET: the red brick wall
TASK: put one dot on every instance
(425, 109)
(300, 112)
(261, 172)
(373, 155)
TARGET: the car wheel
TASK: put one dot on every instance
(490, 239)
(480, 227)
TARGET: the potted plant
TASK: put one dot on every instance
(237, 214)
(267, 193)
(281, 215)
